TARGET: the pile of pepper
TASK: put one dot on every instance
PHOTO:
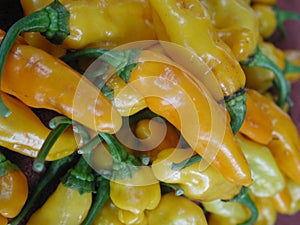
(164, 112)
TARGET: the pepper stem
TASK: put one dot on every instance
(261, 60)
(38, 164)
(53, 173)
(244, 198)
(187, 162)
(174, 187)
(102, 196)
(52, 21)
(290, 67)
(236, 106)
(6, 165)
(282, 16)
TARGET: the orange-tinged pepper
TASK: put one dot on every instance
(294, 189)
(25, 133)
(285, 144)
(3, 220)
(267, 213)
(114, 27)
(166, 82)
(13, 188)
(267, 2)
(257, 125)
(42, 80)
(176, 210)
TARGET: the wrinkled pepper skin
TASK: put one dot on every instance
(267, 178)
(23, 132)
(293, 56)
(188, 24)
(267, 19)
(135, 195)
(176, 210)
(114, 26)
(206, 185)
(43, 81)
(13, 189)
(163, 83)
(259, 78)
(257, 128)
(240, 32)
(285, 144)
(65, 206)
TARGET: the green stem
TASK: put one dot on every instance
(290, 67)
(282, 16)
(52, 21)
(39, 161)
(244, 198)
(185, 163)
(261, 60)
(236, 106)
(174, 187)
(54, 171)
(6, 165)
(80, 177)
(101, 198)
(90, 145)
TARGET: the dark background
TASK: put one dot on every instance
(10, 11)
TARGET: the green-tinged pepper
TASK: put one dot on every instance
(176, 210)
(71, 200)
(201, 185)
(267, 178)
(13, 188)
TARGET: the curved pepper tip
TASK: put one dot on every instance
(236, 106)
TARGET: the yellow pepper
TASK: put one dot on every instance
(114, 26)
(70, 202)
(176, 210)
(294, 189)
(188, 24)
(293, 60)
(267, 2)
(240, 32)
(134, 195)
(24, 132)
(266, 18)
(3, 220)
(285, 144)
(282, 201)
(267, 213)
(259, 78)
(267, 178)
(206, 185)
(215, 219)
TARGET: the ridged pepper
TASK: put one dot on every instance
(114, 26)
(267, 19)
(267, 214)
(135, 194)
(25, 133)
(71, 200)
(13, 188)
(285, 144)
(206, 185)
(267, 178)
(188, 24)
(257, 125)
(292, 65)
(261, 79)
(176, 210)
(240, 32)
(44, 81)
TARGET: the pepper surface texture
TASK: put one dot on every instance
(114, 26)
(13, 189)
(43, 81)
(164, 83)
(23, 132)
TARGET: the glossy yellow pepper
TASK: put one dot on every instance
(257, 125)
(215, 219)
(206, 185)
(188, 24)
(266, 18)
(293, 57)
(294, 190)
(282, 201)
(25, 133)
(259, 78)
(134, 195)
(285, 144)
(240, 32)
(114, 26)
(267, 213)
(267, 178)
(13, 189)
(3, 220)
(176, 210)
(70, 202)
